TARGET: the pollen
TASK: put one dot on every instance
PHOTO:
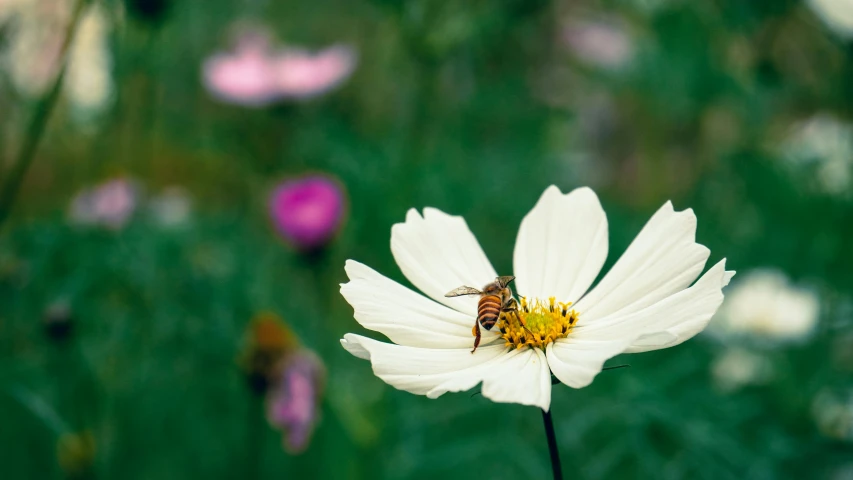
(536, 322)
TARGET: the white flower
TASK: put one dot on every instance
(88, 80)
(764, 304)
(36, 32)
(644, 303)
(738, 367)
(833, 412)
(836, 14)
(172, 207)
(33, 44)
(827, 143)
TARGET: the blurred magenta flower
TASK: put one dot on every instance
(257, 74)
(293, 403)
(110, 204)
(308, 211)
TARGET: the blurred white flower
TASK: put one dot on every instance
(600, 43)
(88, 80)
(172, 207)
(110, 204)
(32, 59)
(738, 367)
(34, 41)
(836, 14)
(843, 472)
(764, 304)
(653, 297)
(833, 413)
(827, 142)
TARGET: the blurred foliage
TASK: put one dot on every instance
(470, 107)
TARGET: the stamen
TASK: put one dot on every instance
(537, 323)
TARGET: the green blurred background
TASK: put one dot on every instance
(739, 110)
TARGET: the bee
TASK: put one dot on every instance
(495, 298)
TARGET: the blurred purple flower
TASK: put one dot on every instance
(308, 211)
(293, 403)
(110, 204)
(256, 74)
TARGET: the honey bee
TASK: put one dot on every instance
(495, 298)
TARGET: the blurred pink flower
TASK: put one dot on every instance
(246, 76)
(309, 211)
(110, 204)
(256, 74)
(303, 75)
(293, 403)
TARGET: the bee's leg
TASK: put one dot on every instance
(476, 332)
(512, 307)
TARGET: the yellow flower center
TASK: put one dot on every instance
(537, 322)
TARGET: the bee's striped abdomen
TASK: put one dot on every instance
(488, 311)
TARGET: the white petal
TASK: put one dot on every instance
(525, 378)
(437, 253)
(662, 260)
(669, 321)
(575, 360)
(561, 245)
(354, 347)
(406, 317)
(511, 376)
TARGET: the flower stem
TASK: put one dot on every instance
(36, 127)
(552, 445)
(256, 431)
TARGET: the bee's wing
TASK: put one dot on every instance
(504, 281)
(457, 292)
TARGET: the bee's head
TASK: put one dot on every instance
(493, 288)
(499, 287)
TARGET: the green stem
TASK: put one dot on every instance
(552, 445)
(255, 443)
(36, 127)
(40, 409)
